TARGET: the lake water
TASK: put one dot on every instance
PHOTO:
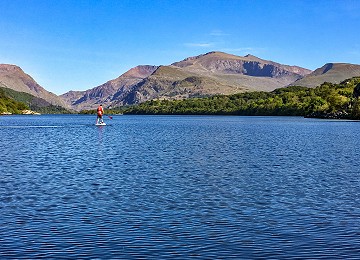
(179, 187)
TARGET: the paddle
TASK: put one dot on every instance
(109, 116)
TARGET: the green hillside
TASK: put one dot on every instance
(31, 102)
(9, 105)
(326, 101)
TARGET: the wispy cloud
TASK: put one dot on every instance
(244, 50)
(199, 45)
(240, 49)
(218, 33)
(209, 42)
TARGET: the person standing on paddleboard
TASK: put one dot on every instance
(100, 112)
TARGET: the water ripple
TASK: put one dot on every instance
(179, 187)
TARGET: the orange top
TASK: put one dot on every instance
(100, 110)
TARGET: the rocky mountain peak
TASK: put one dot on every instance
(324, 69)
(250, 65)
(9, 68)
(140, 71)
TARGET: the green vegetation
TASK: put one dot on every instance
(28, 102)
(9, 105)
(327, 101)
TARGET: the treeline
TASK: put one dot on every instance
(328, 100)
(14, 102)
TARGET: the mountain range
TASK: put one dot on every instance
(199, 76)
(204, 75)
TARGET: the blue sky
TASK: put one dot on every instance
(77, 45)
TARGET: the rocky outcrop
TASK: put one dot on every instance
(333, 115)
(29, 112)
(5, 113)
(23, 112)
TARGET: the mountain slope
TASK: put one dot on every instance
(249, 65)
(330, 72)
(108, 92)
(13, 77)
(249, 72)
(170, 82)
(210, 74)
(204, 75)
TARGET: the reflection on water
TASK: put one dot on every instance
(100, 133)
(179, 187)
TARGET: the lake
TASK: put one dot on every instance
(179, 187)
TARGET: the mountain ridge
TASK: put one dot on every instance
(330, 72)
(105, 93)
(236, 64)
(203, 75)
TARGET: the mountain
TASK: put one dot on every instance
(223, 63)
(213, 73)
(13, 77)
(108, 92)
(199, 76)
(204, 75)
(330, 72)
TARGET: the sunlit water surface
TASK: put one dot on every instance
(161, 187)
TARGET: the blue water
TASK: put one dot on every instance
(180, 187)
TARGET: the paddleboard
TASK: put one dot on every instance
(100, 124)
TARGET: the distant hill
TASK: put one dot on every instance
(204, 75)
(330, 72)
(13, 77)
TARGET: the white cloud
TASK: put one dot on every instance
(240, 49)
(201, 45)
(218, 33)
(244, 50)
